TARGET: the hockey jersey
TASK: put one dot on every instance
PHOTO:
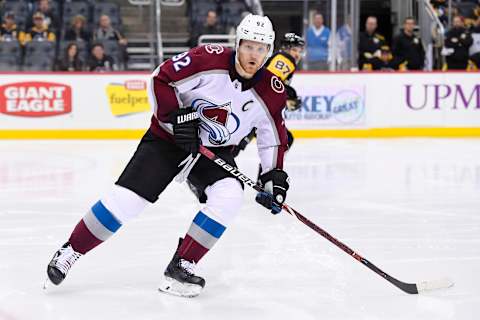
(282, 65)
(228, 105)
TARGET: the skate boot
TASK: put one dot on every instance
(180, 279)
(61, 263)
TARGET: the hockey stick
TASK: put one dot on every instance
(412, 288)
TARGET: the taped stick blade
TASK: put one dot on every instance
(426, 286)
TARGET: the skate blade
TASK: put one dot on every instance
(47, 284)
(176, 288)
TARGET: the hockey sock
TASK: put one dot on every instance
(200, 238)
(97, 225)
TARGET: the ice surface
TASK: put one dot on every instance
(410, 206)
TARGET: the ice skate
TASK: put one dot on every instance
(61, 263)
(180, 279)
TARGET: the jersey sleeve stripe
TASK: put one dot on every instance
(269, 116)
(152, 91)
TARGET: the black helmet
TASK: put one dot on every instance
(292, 40)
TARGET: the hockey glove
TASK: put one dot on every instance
(185, 129)
(293, 102)
(275, 183)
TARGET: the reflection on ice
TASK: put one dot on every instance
(409, 205)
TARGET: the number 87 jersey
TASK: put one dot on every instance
(282, 65)
(229, 106)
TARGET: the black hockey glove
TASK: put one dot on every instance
(275, 183)
(293, 101)
(185, 129)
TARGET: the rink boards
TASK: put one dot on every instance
(117, 105)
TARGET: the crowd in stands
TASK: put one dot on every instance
(462, 37)
(218, 16)
(86, 35)
(461, 49)
(43, 35)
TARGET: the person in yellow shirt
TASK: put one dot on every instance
(39, 31)
(9, 30)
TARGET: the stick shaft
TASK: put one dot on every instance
(406, 287)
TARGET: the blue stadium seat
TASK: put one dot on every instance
(10, 55)
(232, 13)
(20, 9)
(110, 9)
(113, 49)
(38, 63)
(53, 4)
(71, 9)
(199, 9)
(40, 48)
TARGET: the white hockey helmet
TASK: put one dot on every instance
(256, 28)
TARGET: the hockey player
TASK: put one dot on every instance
(199, 97)
(283, 64)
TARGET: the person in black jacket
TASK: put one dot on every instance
(474, 62)
(99, 61)
(78, 30)
(407, 48)
(457, 43)
(70, 60)
(369, 45)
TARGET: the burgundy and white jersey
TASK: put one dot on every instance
(229, 106)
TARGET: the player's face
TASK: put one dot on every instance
(251, 55)
(296, 53)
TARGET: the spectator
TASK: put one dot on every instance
(9, 30)
(474, 63)
(475, 32)
(50, 19)
(70, 60)
(344, 44)
(457, 43)
(407, 48)
(369, 45)
(39, 31)
(105, 31)
(211, 26)
(99, 61)
(475, 47)
(441, 9)
(318, 37)
(77, 30)
(386, 59)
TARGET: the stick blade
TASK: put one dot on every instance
(426, 286)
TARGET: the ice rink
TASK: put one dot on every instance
(410, 206)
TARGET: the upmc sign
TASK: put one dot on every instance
(442, 96)
(35, 99)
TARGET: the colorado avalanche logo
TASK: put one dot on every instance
(218, 120)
